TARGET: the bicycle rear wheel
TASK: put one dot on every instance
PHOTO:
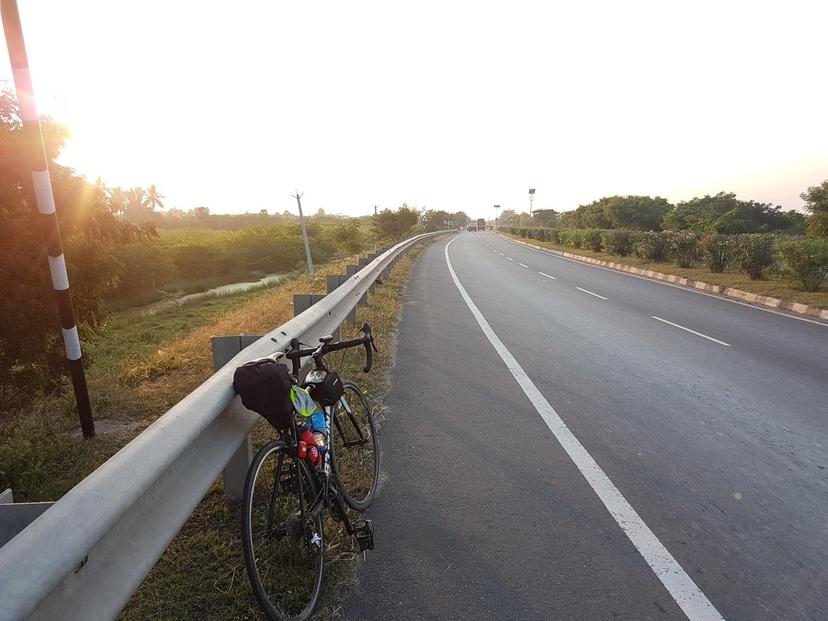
(282, 537)
(355, 448)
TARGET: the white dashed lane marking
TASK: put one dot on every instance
(704, 336)
(591, 293)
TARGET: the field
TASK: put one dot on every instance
(181, 261)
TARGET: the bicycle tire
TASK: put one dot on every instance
(350, 462)
(289, 588)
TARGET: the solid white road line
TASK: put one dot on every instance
(704, 336)
(721, 298)
(547, 276)
(684, 591)
(591, 293)
(523, 265)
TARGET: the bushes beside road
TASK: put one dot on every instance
(803, 261)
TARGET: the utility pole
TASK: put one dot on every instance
(38, 186)
(298, 197)
(496, 207)
(531, 198)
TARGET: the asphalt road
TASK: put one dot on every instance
(710, 422)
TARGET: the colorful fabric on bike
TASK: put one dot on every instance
(302, 402)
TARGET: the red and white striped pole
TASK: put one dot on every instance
(40, 187)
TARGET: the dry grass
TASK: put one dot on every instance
(202, 573)
(775, 285)
(141, 367)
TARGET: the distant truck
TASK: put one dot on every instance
(481, 224)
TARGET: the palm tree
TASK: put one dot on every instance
(154, 197)
(136, 205)
(117, 200)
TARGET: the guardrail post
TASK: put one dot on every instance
(303, 301)
(14, 517)
(224, 348)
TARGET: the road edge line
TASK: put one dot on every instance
(678, 583)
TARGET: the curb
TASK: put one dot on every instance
(738, 294)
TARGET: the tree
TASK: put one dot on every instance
(593, 216)
(31, 347)
(153, 198)
(394, 225)
(798, 222)
(347, 237)
(569, 219)
(642, 213)
(816, 202)
(507, 217)
(724, 213)
(699, 214)
(436, 220)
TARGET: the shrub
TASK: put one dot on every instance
(618, 241)
(718, 251)
(684, 248)
(807, 260)
(565, 237)
(593, 239)
(755, 253)
(652, 246)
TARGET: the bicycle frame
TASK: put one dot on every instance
(328, 496)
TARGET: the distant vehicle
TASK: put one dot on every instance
(481, 224)
(471, 227)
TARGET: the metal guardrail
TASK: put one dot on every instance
(85, 556)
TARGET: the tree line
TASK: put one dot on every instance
(721, 213)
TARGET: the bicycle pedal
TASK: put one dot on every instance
(364, 534)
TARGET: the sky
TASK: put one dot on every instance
(447, 105)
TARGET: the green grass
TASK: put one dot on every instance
(774, 285)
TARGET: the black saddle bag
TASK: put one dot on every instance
(264, 387)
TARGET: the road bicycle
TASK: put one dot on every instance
(290, 486)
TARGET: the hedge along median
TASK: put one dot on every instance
(814, 310)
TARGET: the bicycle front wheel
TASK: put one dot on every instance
(282, 537)
(355, 448)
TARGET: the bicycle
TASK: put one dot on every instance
(286, 493)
